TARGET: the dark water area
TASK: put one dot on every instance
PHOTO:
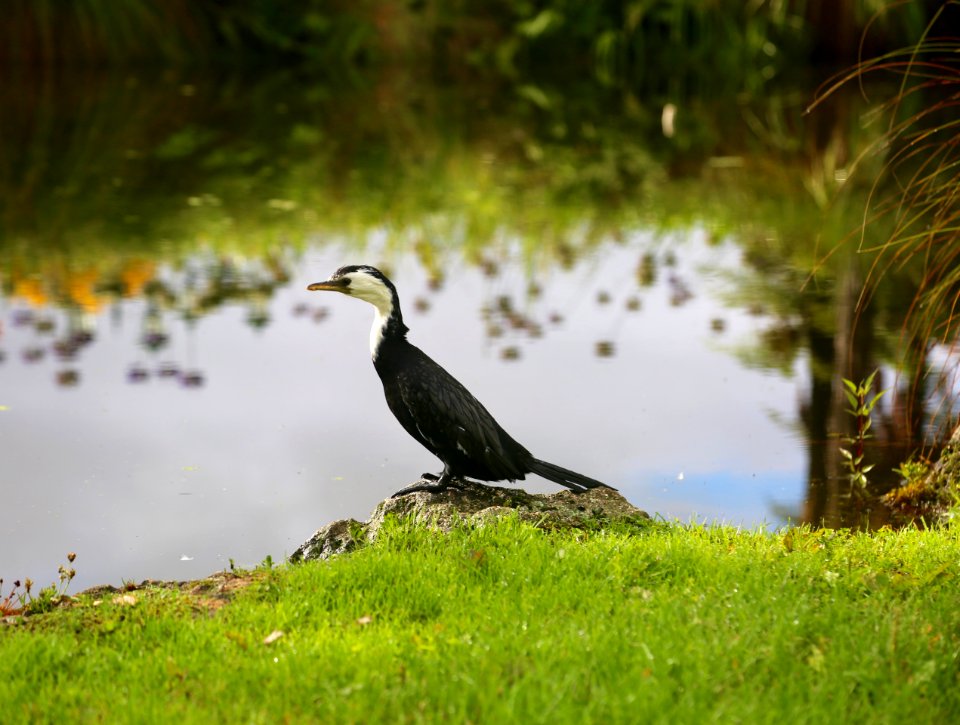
(659, 290)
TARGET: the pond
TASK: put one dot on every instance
(624, 281)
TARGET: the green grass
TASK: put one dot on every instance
(509, 623)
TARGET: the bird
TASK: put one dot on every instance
(433, 406)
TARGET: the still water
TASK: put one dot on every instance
(284, 428)
(171, 396)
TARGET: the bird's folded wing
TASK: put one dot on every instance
(452, 419)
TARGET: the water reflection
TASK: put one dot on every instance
(640, 303)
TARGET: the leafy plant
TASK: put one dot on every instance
(23, 601)
(912, 470)
(930, 491)
(861, 408)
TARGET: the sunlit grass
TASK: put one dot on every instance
(508, 623)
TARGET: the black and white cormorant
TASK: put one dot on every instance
(432, 405)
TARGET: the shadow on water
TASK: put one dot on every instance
(171, 200)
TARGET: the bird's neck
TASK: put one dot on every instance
(387, 327)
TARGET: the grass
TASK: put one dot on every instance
(508, 623)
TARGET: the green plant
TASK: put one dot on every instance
(918, 493)
(19, 602)
(861, 408)
(912, 470)
(268, 586)
(930, 491)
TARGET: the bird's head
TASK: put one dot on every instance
(370, 285)
(364, 282)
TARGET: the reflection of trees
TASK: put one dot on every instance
(202, 285)
(469, 173)
(846, 322)
(205, 284)
(107, 174)
(100, 165)
(851, 353)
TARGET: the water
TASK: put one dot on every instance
(289, 429)
(171, 396)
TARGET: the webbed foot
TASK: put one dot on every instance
(429, 483)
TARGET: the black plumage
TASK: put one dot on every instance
(432, 405)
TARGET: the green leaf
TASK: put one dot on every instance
(544, 21)
(853, 399)
(535, 96)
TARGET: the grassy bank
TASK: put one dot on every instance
(509, 623)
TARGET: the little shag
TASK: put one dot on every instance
(432, 405)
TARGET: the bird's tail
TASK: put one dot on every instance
(576, 482)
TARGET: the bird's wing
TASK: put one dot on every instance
(450, 418)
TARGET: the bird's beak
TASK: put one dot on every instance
(333, 285)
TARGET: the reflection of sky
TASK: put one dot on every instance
(721, 496)
(291, 431)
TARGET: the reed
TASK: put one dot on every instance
(916, 192)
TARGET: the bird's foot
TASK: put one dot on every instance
(429, 483)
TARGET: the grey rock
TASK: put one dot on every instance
(333, 539)
(478, 504)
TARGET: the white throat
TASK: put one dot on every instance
(372, 290)
(380, 318)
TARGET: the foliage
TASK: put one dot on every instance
(929, 491)
(505, 622)
(618, 40)
(138, 170)
(915, 496)
(861, 408)
(179, 31)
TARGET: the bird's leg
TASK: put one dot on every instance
(447, 478)
(430, 483)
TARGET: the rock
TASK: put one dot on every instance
(478, 503)
(336, 538)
